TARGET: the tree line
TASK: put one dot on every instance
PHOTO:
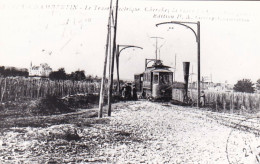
(78, 75)
(54, 75)
(12, 71)
(62, 75)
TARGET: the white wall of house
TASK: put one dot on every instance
(43, 70)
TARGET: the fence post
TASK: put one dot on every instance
(4, 90)
(216, 100)
(242, 104)
(38, 85)
(224, 102)
(258, 97)
(232, 103)
(237, 101)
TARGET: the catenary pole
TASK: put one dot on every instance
(110, 90)
(102, 92)
(118, 52)
(117, 69)
(197, 35)
(198, 41)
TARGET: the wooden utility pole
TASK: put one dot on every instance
(102, 93)
(110, 90)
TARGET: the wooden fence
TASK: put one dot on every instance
(14, 88)
(236, 101)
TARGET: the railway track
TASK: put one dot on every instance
(248, 124)
(245, 123)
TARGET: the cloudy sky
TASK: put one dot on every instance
(72, 34)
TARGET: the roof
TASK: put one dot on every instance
(161, 70)
(178, 85)
(158, 66)
(138, 74)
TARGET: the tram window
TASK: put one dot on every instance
(164, 78)
(155, 79)
(170, 78)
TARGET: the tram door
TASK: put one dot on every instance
(151, 81)
(155, 78)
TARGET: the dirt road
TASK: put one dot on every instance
(137, 132)
(170, 134)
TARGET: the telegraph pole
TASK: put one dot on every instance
(110, 90)
(102, 93)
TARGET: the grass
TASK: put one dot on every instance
(49, 111)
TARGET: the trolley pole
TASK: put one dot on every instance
(156, 45)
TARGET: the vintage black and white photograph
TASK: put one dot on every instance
(129, 81)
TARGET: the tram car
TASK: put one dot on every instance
(155, 82)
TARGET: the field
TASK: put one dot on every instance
(137, 132)
(242, 103)
(20, 88)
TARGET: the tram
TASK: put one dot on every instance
(155, 82)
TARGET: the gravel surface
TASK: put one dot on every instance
(170, 134)
(137, 132)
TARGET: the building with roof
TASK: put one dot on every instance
(43, 70)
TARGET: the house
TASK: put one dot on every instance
(210, 86)
(43, 70)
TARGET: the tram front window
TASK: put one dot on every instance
(165, 78)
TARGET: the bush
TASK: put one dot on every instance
(244, 85)
(51, 105)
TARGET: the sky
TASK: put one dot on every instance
(72, 34)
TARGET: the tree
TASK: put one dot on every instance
(58, 75)
(78, 75)
(12, 71)
(244, 85)
(2, 70)
(258, 84)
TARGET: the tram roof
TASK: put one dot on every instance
(161, 70)
(159, 66)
